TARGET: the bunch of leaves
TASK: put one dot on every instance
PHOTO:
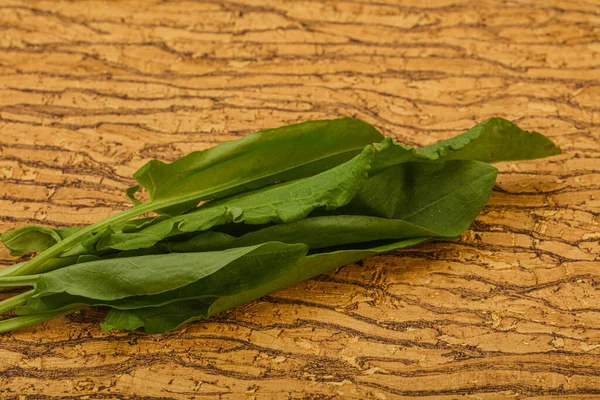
(252, 216)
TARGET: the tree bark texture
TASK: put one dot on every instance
(91, 90)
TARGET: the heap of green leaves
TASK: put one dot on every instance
(256, 215)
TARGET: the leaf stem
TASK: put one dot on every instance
(15, 281)
(24, 321)
(14, 302)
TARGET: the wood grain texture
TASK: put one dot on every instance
(90, 90)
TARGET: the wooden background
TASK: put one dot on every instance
(91, 90)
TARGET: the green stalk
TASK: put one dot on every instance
(14, 302)
(16, 281)
(24, 321)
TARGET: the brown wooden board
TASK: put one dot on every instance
(90, 90)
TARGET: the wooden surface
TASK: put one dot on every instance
(89, 91)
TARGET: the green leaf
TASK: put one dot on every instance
(493, 140)
(280, 203)
(444, 198)
(168, 317)
(316, 232)
(130, 192)
(117, 278)
(266, 262)
(268, 156)
(33, 237)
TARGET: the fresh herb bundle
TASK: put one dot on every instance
(256, 215)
